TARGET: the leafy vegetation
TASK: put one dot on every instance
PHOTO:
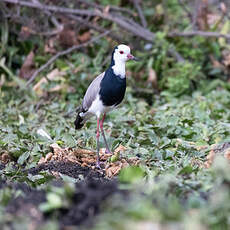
(175, 119)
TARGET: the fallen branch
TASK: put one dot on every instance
(123, 22)
(113, 8)
(198, 33)
(136, 30)
(100, 29)
(62, 53)
(136, 3)
(55, 9)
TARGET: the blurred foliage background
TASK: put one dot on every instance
(175, 116)
(173, 60)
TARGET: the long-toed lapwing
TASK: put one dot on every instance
(105, 93)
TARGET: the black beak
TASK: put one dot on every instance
(136, 59)
(131, 57)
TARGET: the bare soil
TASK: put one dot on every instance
(85, 204)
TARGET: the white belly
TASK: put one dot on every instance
(98, 108)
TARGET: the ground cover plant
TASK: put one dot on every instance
(170, 136)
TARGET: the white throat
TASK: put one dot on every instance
(119, 68)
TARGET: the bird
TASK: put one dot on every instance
(105, 93)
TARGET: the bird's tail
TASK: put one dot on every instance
(79, 121)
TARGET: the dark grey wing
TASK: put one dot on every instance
(92, 92)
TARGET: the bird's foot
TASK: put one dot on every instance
(107, 151)
(98, 164)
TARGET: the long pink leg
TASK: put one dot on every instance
(98, 148)
(103, 134)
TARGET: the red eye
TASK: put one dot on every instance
(121, 52)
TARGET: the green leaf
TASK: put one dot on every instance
(186, 170)
(67, 178)
(21, 160)
(131, 174)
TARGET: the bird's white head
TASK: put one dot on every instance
(122, 54)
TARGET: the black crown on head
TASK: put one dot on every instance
(112, 59)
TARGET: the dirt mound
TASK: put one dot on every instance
(111, 164)
(89, 193)
(85, 203)
(68, 168)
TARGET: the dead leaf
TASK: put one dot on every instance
(106, 10)
(226, 60)
(54, 74)
(28, 66)
(215, 63)
(133, 160)
(67, 37)
(120, 148)
(41, 161)
(58, 88)
(217, 149)
(210, 159)
(55, 146)
(87, 158)
(113, 170)
(72, 158)
(48, 157)
(223, 7)
(227, 154)
(50, 46)
(105, 156)
(96, 18)
(84, 37)
(25, 33)
(55, 174)
(80, 151)
(84, 165)
(5, 158)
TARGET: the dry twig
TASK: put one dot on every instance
(120, 20)
(112, 8)
(195, 14)
(136, 30)
(140, 12)
(62, 53)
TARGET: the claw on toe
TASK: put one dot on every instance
(98, 165)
